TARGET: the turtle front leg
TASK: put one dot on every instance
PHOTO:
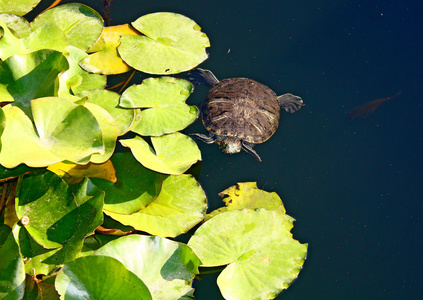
(290, 103)
(206, 139)
(202, 76)
(248, 147)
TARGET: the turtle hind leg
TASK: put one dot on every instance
(248, 147)
(202, 76)
(205, 138)
(290, 103)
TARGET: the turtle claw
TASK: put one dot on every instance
(290, 103)
(202, 137)
(247, 147)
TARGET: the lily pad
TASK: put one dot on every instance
(81, 24)
(17, 24)
(47, 36)
(125, 118)
(172, 44)
(257, 244)
(165, 266)
(164, 102)
(12, 270)
(30, 76)
(247, 195)
(99, 277)
(172, 154)
(19, 8)
(105, 59)
(76, 79)
(109, 130)
(57, 216)
(180, 205)
(136, 186)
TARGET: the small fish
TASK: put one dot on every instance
(369, 108)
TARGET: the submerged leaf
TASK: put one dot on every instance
(257, 244)
(165, 266)
(164, 102)
(172, 154)
(172, 44)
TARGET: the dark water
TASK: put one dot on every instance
(354, 186)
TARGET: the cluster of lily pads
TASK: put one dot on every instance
(82, 220)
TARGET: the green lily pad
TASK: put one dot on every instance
(135, 188)
(125, 118)
(20, 143)
(257, 244)
(47, 36)
(81, 24)
(109, 129)
(20, 8)
(247, 195)
(12, 270)
(30, 76)
(99, 277)
(77, 79)
(165, 266)
(38, 259)
(58, 216)
(164, 102)
(172, 154)
(17, 24)
(180, 205)
(172, 44)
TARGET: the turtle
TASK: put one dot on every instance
(240, 112)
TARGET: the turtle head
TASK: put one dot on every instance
(230, 145)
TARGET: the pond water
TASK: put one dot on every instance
(353, 186)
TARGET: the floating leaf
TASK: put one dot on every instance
(58, 216)
(61, 134)
(125, 118)
(12, 270)
(77, 79)
(135, 188)
(109, 130)
(30, 76)
(172, 154)
(47, 36)
(105, 59)
(20, 8)
(81, 24)
(180, 205)
(165, 266)
(17, 24)
(247, 195)
(164, 102)
(257, 244)
(99, 277)
(172, 44)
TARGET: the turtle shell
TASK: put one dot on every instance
(241, 108)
